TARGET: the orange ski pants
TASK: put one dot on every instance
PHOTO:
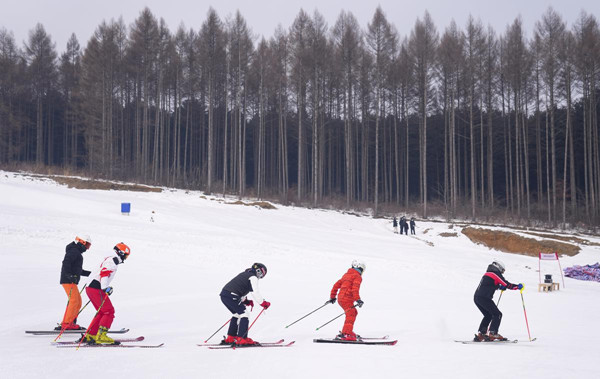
(74, 302)
(351, 312)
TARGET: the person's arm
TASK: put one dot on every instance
(356, 288)
(335, 289)
(255, 292)
(107, 271)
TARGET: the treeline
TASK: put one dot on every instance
(469, 120)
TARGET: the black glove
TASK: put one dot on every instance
(85, 273)
(108, 290)
(359, 303)
(331, 301)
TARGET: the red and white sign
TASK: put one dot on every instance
(550, 257)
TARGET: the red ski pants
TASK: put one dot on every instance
(106, 311)
(74, 302)
(351, 312)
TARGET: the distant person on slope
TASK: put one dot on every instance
(234, 296)
(395, 224)
(412, 225)
(349, 293)
(491, 281)
(99, 290)
(403, 225)
(70, 274)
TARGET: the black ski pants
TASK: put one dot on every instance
(238, 326)
(491, 313)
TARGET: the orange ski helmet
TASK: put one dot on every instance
(85, 240)
(122, 251)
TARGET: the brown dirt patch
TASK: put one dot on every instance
(102, 185)
(445, 234)
(426, 230)
(516, 244)
(260, 204)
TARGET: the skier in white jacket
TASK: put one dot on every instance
(98, 291)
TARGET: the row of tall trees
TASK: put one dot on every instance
(469, 120)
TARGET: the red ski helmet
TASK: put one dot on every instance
(122, 251)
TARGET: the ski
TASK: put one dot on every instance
(69, 331)
(76, 342)
(494, 342)
(373, 338)
(250, 346)
(359, 342)
(108, 346)
(218, 344)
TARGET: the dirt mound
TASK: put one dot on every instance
(260, 204)
(516, 244)
(447, 234)
(103, 185)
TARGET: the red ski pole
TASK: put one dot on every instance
(525, 313)
(261, 312)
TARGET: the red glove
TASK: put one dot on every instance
(249, 303)
(265, 304)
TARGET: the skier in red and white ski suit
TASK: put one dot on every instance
(98, 291)
(349, 288)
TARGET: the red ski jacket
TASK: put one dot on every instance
(348, 285)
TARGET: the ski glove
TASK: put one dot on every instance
(502, 288)
(331, 301)
(249, 303)
(265, 304)
(108, 290)
(359, 303)
(520, 286)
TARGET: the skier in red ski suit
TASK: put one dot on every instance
(98, 291)
(349, 293)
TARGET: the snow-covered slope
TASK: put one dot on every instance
(168, 291)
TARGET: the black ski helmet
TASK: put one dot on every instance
(260, 270)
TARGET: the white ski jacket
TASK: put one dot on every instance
(106, 273)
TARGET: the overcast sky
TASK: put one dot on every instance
(63, 17)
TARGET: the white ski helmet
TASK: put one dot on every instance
(499, 265)
(84, 239)
(360, 265)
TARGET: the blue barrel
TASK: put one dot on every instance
(125, 208)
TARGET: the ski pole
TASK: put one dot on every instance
(261, 312)
(83, 307)
(336, 317)
(499, 297)
(308, 314)
(525, 313)
(212, 335)
(87, 331)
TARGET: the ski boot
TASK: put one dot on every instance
(239, 341)
(494, 336)
(71, 326)
(102, 339)
(88, 339)
(349, 337)
(58, 327)
(229, 340)
(481, 337)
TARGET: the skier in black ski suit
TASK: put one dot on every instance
(412, 225)
(490, 282)
(234, 295)
(395, 224)
(403, 225)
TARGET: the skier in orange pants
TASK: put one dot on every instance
(349, 287)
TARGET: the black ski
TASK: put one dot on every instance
(359, 342)
(496, 342)
(76, 342)
(218, 344)
(250, 346)
(69, 331)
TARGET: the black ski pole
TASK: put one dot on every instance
(212, 335)
(336, 317)
(308, 314)
(86, 304)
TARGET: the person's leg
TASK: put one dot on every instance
(72, 294)
(95, 296)
(237, 325)
(351, 312)
(107, 312)
(487, 315)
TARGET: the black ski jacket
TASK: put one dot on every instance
(240, 285)
(491, 281)
(72, 263)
